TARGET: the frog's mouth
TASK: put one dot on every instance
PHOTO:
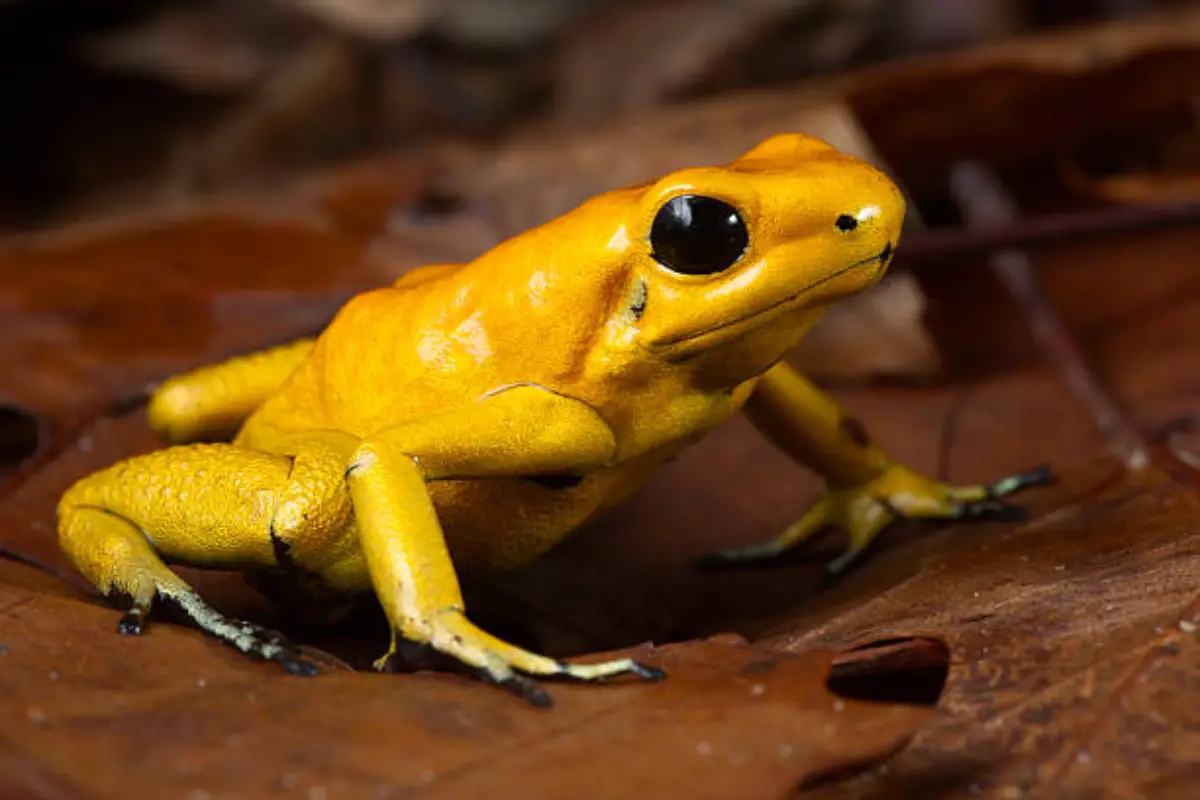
(685, 345)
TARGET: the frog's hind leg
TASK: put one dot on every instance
(129, 567)
(204, 505)
(211, 402)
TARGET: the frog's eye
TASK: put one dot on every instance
(697, 235)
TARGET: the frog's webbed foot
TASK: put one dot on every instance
(453, 639)
(899, 493)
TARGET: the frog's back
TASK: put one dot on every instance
(445, 335)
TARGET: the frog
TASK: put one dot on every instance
(470, 416)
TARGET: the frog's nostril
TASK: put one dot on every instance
(846, 223)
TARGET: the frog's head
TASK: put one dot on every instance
(750, 250)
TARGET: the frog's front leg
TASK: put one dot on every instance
(524, 430)
(866, 490)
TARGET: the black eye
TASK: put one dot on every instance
(697, 235)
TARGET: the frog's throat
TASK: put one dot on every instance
(677, 345)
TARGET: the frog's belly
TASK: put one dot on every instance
(499, 524)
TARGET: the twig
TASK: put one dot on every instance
(947, 243)
(949, 434)
(1176, 445)
(984, 203)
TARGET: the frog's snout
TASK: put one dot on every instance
(847, 222)
(872, 226)
(869, 215)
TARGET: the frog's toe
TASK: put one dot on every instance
(820, 515)
(986, 503)
(253, 640)
(989, 510)
(610, 669)
(837, 566)
(762, 551)
(409, 656)
(133, 621)
(1038, 476)
(269, 645)
(298, 665)
(521, 686)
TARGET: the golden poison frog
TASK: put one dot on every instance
(473, 415)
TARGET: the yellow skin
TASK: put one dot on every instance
(475, 414)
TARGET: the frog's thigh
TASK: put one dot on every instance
(204, 505)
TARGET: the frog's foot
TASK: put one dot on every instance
(508, 666)
(253, 640)
(899, 493)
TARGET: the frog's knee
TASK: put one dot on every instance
(89, 539)
(111, 553)
(312, 524)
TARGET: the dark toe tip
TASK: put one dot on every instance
(540, 699)
(130, 625)
(300, 666)
(649, 673)
(1039, 476)
(529, 691)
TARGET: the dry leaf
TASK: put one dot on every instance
(1069, 656)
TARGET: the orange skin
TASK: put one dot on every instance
(417, 433)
